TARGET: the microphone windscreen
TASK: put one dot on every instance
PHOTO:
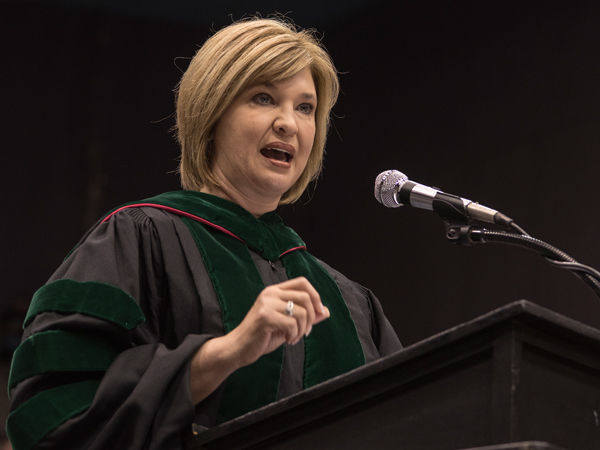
(387, 185)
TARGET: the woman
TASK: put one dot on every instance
(200, 305)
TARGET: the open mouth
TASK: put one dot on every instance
(276, 154)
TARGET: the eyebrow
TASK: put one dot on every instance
(306, 95)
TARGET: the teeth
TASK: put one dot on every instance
(280, 150)
(287, 154)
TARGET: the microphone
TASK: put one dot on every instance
(394, 189)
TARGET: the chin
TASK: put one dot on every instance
(278, 187)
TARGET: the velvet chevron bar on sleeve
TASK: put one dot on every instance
(41, 414)
(61, 351)
(90, 298)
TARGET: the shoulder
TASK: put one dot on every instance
(129, 223)
(139, 215)
(130, 241)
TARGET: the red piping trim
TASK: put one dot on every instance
(178, 212)
(191, 216)
(302, 247)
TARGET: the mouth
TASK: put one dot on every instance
(276, 154)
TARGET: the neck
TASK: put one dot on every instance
(255, 207)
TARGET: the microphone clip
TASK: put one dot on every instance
(459, 232)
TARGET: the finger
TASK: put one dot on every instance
(302, 305)
(271, 327)
(304, 285)
(281, 297)
(301, 292)
(274, 299)
(300, 315)
(271, 308)
(292, 334)
(288, 326)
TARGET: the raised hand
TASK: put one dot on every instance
(283, 312)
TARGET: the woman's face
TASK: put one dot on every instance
(263, 140)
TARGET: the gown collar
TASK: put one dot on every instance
(266, 234)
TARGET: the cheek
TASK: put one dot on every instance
(231, 142)
(309, 139)
(307, 146)
(247, 133)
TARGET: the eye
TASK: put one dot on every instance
(306, 108)
(263, 99)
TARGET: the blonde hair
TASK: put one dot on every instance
(239, 56)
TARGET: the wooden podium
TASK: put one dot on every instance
(519, 378)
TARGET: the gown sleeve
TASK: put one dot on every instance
(105, 357)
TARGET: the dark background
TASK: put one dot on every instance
(496, 101)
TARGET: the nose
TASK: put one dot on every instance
(285, 121)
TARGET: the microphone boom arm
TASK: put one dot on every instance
(462, 233)
(394, 189)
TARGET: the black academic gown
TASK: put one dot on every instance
(143, 400)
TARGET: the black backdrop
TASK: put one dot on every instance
(495, 101)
